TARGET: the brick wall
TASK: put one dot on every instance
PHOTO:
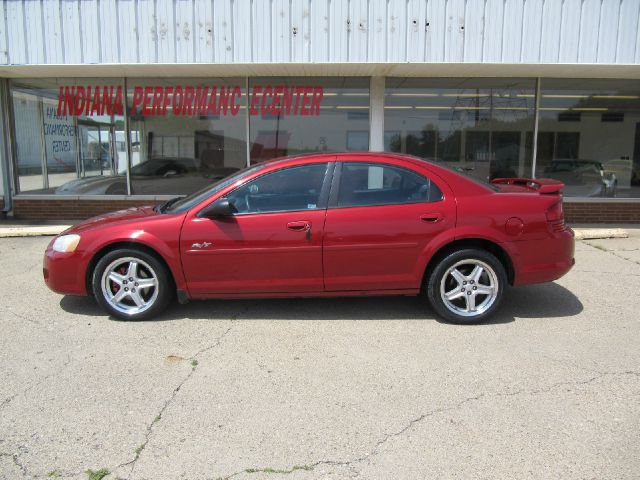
(32, 209)
(604, 212)
(54, 209)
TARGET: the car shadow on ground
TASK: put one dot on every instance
(547, 300)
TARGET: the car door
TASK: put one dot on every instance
(271, 244)
(380, 219)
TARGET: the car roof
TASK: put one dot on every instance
(470, 185)
(581, 160)
(350, 155)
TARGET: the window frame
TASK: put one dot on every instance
(337, 176)
(323, 197)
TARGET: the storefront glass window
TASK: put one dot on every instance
(296, 115)
(589, 136)
(69, 136)
(185, 133)
(478, 125)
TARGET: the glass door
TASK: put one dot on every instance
(96, 142)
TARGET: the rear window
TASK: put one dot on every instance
(363, 184)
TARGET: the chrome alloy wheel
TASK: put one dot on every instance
(130, 285)
(469, 288)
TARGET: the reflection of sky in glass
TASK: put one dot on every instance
(343, 122)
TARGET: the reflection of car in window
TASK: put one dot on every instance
(164, 167)
(583, 178)
(156, 176)
(622, 168)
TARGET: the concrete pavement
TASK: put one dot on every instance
(331, 389)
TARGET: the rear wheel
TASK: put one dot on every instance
(131, 284)
(467, 286)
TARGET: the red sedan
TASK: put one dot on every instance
(323, 225)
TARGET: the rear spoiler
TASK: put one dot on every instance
(541, 185)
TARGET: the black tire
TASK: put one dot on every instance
(454, 310)
(156, 298)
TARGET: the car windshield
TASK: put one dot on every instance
(194, 199)
(573, 166)
(158, 167)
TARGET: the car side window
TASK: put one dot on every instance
(289, 189)
(363, 184)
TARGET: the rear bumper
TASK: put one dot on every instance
(545, 260)
(63, 272)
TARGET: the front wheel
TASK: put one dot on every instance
(131, 284)
(467, 286)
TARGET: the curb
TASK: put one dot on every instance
(35, 231)
(599, 233)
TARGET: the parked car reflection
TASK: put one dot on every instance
(156, 176)
(583, 178)
(622, 168)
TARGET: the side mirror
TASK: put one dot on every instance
(220, 208)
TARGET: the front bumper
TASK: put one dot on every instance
(64, 273)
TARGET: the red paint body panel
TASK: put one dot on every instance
(62, 272)
(369, 250)
(379, 247)
(545, 260)
(254, 253)
(67, 273)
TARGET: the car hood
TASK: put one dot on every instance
(134, 214)
(89, 185)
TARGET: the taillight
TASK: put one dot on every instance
(555, 217)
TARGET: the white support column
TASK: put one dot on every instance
(127, 135)
(247, 122)
(536, 121)
(376, 114)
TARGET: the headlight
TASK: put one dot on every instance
(66, 243)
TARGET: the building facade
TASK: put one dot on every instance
(113, 103)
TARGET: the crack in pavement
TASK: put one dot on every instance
(158, 417)
(612, 252)
(606, 273)
(376, 448)
(16, 462)
(23, 271)
(8, 400)
(25, 318)
(568, 362)
(193, 358)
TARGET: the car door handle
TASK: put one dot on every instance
(431, 217)
(299, 226)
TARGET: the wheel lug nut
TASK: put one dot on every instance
(469, 292)
(475, 288)
(464, 283)
(136, 284)
(131, 279)
(463, 289)
(126, 289)
(124, 282)
(133, 290)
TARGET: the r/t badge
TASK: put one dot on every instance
(201, 245)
